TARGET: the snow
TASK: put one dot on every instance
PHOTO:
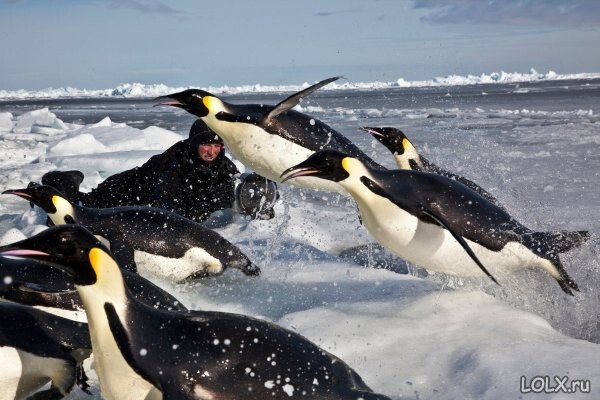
(408, 337)
(140, 90)
(428, 343)
(6, 123)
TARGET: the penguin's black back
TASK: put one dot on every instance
(470, 214)
(41, 333)
(300, 129)
(226, 354)
(158, 231)
(34, 283)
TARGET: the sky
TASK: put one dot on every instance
(97, 44)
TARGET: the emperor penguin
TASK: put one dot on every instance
(407, 157)
(269, 139)
(140, 351)
(165, 244)
(438, 223)
(32, 283)
(37, 348)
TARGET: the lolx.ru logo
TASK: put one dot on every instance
(556, 384)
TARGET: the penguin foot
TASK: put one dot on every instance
(82, 380)
(567, 285)
(251, 270)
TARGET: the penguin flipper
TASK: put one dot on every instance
(171, 392)
(442, 222)
(36, 288)
(438, 219)
(51, 393)
(123, 252)
(295, 99)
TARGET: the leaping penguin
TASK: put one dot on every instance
(268, 139)
(166, 244)
(37, 348)
(32, 283)
(440, 224)
(172, 355)
(407, 157)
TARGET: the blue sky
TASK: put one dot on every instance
(101, 43)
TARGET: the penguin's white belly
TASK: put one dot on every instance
(10, 372)
(23, 374)
(269, 155)
(195, 260)
(118, 381)
(434, 248)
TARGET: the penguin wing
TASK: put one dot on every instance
(150, 294)
(37, 288)
(463, 211)
(461, 241)
(122, 250)
(41, 333)
(295, 99)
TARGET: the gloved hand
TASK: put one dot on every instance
(256, 196)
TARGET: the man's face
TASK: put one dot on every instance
(209, 152)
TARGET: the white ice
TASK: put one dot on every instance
(406, 336)
(140, 90)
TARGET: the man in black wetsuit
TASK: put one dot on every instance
(192, 178)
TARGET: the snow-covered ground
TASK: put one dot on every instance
(408, 337)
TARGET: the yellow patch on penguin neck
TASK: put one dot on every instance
(212, 103)
(407, 145)
(63, 208)
(61, 203)
(207, 101)
(103, 264)
(352, 165)
(346, 164)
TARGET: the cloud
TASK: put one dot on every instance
(331, 13)
(512, 12)
(148, 7)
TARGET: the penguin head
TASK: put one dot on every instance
(393, 139)
(195, 101)
(325, 164)
(69, 248)
(396, 141)
(53, 202)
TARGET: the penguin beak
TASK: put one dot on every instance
(21, 193)
(65, 247)
(373, 131)
(168, 101)
(179, 100)
(190, 100)
(26, 253)
(301, 169)
(16, 250)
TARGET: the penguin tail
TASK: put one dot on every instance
(555, 242)
(549, 245)
(566, 283)
(251, 269)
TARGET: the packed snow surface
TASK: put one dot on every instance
(410, 336)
